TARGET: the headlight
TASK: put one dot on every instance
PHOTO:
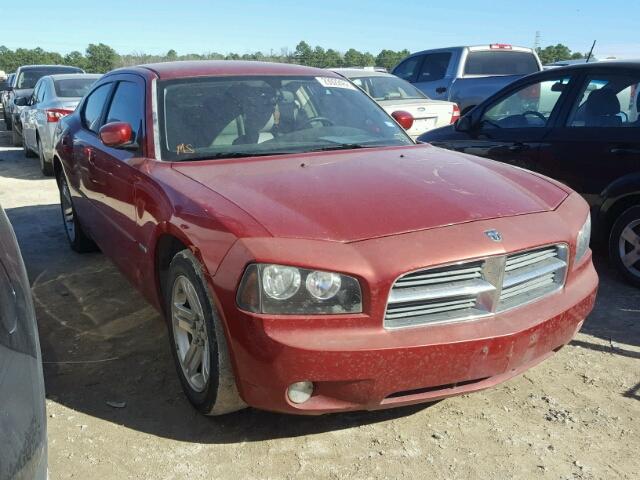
(286, 290)
(584, 237)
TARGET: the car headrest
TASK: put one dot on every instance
(602, 102)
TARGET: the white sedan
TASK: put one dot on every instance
(416, 112)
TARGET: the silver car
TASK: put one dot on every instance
(54, 96)
(23, 425)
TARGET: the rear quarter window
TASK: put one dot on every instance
(500, 62)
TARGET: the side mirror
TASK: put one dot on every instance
(117, 135)
(405, 119)
(464, 124)
(22, 101)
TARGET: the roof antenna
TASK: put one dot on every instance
(591, 52)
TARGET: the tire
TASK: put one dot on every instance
(28, 153)
(45, 167)
(79, 241)
(16, 138)
(624, 245)
(196, 332)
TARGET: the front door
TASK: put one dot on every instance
(115, 171)
(512, 128)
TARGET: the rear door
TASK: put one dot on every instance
(28, 116)
(435, 74)
(597, 142)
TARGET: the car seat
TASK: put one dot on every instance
(602, 108)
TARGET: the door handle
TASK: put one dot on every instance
(625, 151)
(89, 154)
(518, 147)
(441, 89)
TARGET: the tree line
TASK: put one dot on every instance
(100, 58)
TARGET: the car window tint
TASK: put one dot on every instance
(42, 91)
(500, 62)
(36, 93)
(127, 106)
(529, 107)
(434, 67)
(607, 101)
(407, 69)
(94, 106)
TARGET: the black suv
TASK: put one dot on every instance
(579, 125)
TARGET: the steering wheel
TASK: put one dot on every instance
(535, 114)
(324, 120)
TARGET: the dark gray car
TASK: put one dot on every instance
(23, 429)
(19, 93)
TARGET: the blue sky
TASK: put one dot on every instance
(191, 26)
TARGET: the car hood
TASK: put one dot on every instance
(355, 195)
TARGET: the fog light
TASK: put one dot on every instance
(300, 392)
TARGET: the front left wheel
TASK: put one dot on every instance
(197, 339)
(624, 245)
(16, 138)
(79, 241)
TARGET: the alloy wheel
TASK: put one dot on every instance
(629, 247)
(190, 333)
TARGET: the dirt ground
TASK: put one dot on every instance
(116, 411)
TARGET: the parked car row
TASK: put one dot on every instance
(19, 93)
(579, 125)
(307, 255)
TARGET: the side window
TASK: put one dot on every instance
(434, 67)
(127, 106)
(93, 107)
(36, 94)
(607, 101)
(42, 90)
(407, 69)
(529, 107)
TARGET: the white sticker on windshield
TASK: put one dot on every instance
(332, 82)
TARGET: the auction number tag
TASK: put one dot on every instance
(332, 82)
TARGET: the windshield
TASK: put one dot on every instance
(73, 87)
(218, 117)
(500, 62)
(28, 78)
(388, 88)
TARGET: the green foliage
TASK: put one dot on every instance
(555, 53)
(389, 58)
(101, 58)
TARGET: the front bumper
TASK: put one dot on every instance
(356, 364)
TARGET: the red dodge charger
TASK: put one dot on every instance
(309, 257)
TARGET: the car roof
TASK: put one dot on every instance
(69, 76)
(30, 67)
(514, 48)
(357, 72)
(206, 68)
(601, 64)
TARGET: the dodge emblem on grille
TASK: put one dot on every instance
(494, 235)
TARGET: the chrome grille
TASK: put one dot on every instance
(474, 289)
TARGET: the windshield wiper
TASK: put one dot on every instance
(222, 155)
(341, 146)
